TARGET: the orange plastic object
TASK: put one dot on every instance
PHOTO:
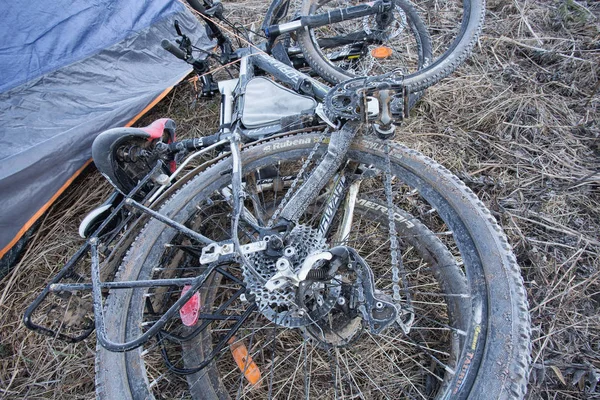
(189, 311)
(381, 52)
(244, 361)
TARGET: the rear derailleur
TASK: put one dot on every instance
(358, 294)
(339, 323)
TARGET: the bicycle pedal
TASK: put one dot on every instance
(384, 132)
(191, 309)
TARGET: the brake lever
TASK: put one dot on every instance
(184, 43)
(178, 28)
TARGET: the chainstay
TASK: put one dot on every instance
(289, 193)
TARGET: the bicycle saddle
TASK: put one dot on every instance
(123, 154)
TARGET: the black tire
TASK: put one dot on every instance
(491, 327)
(416, 81)
(405, 14)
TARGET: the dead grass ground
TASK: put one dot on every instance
(519, 123)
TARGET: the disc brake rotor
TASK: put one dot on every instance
(280, 305)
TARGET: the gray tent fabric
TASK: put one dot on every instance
(49, 119)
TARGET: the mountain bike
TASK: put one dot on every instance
(364, 39)
(309, 256)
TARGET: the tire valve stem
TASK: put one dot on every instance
(244, 361)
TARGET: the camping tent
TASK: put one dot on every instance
(70, 69)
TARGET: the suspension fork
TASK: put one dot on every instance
(330, 17)
(344, 189)
(342, 234)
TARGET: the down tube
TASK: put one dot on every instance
(283, 73)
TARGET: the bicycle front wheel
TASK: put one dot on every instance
(367, 46)
(466, 334)
(394, 49)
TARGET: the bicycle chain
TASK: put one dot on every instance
(288, 194)
(392, 225)
(397, 266)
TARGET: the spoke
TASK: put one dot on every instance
(271, 372)
(306, 373)
(459, 295)
(430, 303)
(286, 381)
(262, 194)
(298, 361)
(159, 342)
(259, 210)
(385, 353)
(453, 329)
(359, 392)
(333, 372)
(390, 342)
(273, 360)
(364, 238)
(194, 251)
(211, 222)
(427, 350)
(246, 363)
(384, 244)
(275, 183)
(315, 214)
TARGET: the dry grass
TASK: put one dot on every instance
(519, 124)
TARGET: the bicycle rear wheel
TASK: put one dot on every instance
(469, 338)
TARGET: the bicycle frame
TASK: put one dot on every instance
(231, 132)
(348, 102)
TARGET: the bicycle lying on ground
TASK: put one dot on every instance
(312, 257)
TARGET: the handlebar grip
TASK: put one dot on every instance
(171, 48)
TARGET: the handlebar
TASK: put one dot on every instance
(173, 49)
